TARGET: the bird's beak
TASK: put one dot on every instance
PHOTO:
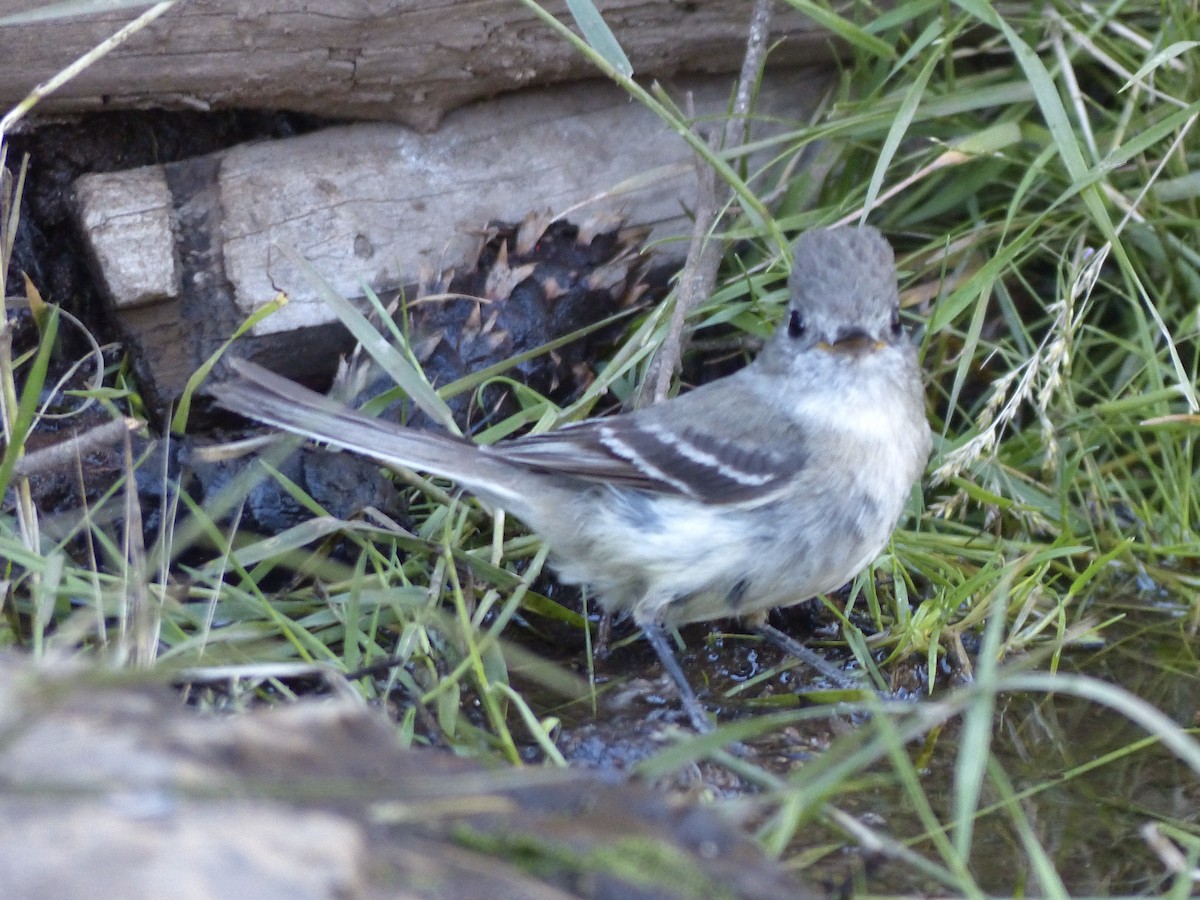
(853, 341)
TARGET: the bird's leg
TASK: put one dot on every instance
(603, 635)
(793, 647)
(657, 637)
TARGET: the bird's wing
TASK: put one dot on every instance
(745, 459)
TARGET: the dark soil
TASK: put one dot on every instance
(48, 246)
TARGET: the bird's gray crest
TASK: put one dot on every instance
(846, 275)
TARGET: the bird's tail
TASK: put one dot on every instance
(257, 393)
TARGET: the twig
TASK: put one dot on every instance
(78, 445)
(730, 344)
(699, 275)
(756, 50)
(696, 283)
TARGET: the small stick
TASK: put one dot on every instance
(699, 275)
(75, 446)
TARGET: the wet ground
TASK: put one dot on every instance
(1089, 780)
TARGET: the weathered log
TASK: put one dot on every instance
(189, 250)
(123, 791)
(408, 62)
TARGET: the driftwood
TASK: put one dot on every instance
(111, 791)
(408, 62)
(189, 250)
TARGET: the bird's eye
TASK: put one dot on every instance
(897, 328)
(796, 326)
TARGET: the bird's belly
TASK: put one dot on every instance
(676, 548)
(675, 562)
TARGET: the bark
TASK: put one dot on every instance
(407, 62)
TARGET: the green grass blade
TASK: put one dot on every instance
(599, 36)
(406, 376)
(35, 379)
(852, 34)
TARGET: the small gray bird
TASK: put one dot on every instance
(762, 489)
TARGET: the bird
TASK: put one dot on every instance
(761, 489)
